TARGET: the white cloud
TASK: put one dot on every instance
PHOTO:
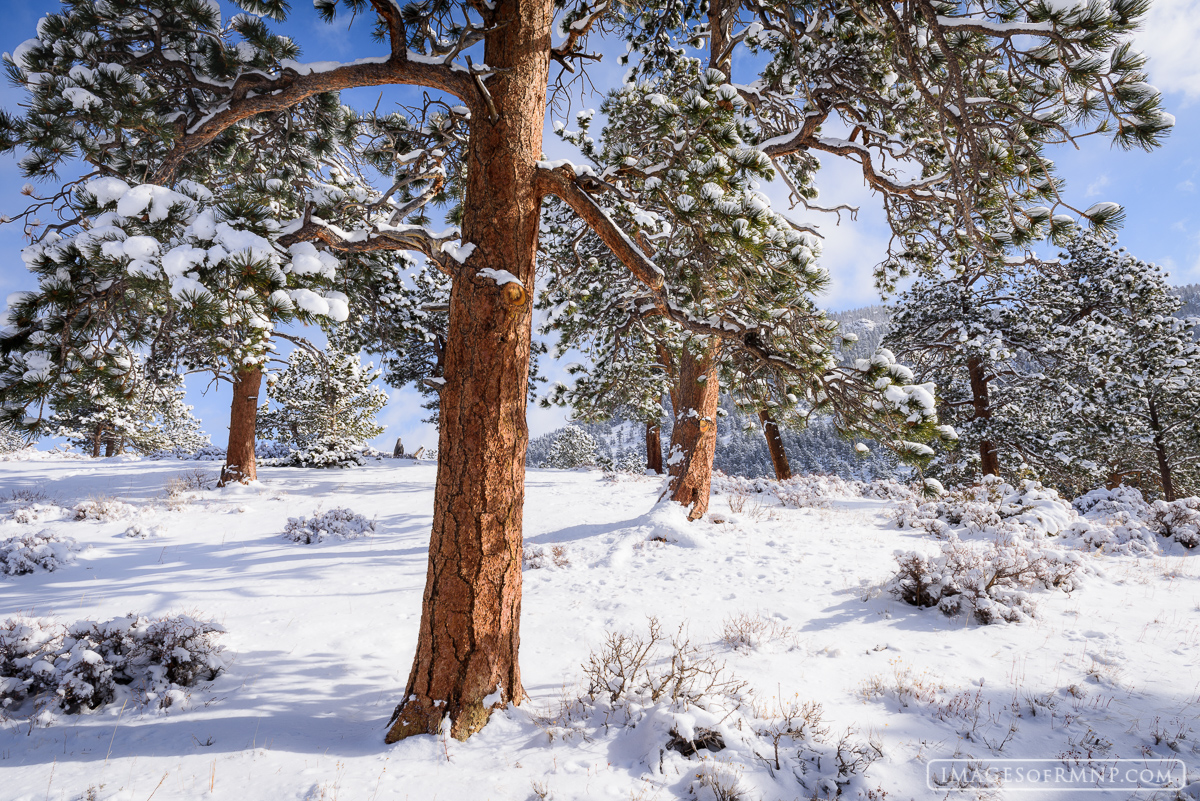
(1095, 186)
(1185, 186)
(1168, 36)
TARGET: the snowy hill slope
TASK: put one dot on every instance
(319, 641)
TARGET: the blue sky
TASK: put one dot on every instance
(1160, 190)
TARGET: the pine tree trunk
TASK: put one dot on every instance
(97, 438)
(694, 438)
(654, 460)
(1160, 452)
(779, 460)
(243, 414)
(988, 456)
(469, 634)
(110, 448)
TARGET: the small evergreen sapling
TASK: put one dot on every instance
(325, 408)
(10, 440)
(573, 447)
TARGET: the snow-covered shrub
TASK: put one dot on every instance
(268, 449)
(340, 523)
(674, 704)
(1120, 519)
(888, 489)
(989, 580)
(209, 453)
(142, 531)
(23, 640)
(1102, 502)
(323, 452)
(46, 550)
(572, 447)
(204, 453)
(988, 507)
(630, 462)
(60, 453)
(28, 505)
(740, 486)
(184, 648)
(89, 664)
(28, 514)
(1179, 520)
(104, 510)
(1119, 533)
(797, 492)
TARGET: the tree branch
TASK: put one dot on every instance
(563, 184)
(254, 93)
(409, 237)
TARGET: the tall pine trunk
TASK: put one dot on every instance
(243, 414)
(97, 438)
(779, 460)
(694, 438)
(654, 460)
(988, 457)
(1160, 453)
(470, 616)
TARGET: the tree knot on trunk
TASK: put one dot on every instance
(513, 295)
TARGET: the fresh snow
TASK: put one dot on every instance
(460, 253)
(320, 637)
(501, 277)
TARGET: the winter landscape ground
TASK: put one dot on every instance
(792, 599)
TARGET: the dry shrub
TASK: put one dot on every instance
(632, 668)
(718, 781)
(746, 632)
(26, 495)
(794, 720)
(535, 557)
(179, 487)
(679, 700)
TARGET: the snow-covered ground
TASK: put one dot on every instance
(320, 637)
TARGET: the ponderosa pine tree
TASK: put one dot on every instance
(976, 332)
(732, 256)
(1127, 372)
(948, 109)
(325, 407)
(198, 261)
(147, 415)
